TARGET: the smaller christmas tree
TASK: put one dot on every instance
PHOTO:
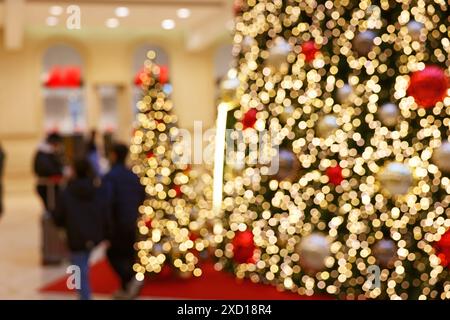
(166, 238)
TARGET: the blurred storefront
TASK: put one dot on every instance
(100, 62)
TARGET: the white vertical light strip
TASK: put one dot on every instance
(219, 154)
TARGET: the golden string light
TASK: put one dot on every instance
(372, 187)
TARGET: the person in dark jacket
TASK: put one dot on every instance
(93, 153)
(2, 166)
(83, 210)
(48, 167)
(127, 194)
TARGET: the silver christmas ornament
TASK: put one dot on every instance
(389, 114)
(327, 126)
(313, 251)
(363, 42)
(247, 43)
(288, 166)
(344, 93)
(415, 29)
(278, 53)
(157, 248)
(396, 178)
(441, 157)
(287, 113)
(385, 251)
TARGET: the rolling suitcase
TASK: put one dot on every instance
(54, 248)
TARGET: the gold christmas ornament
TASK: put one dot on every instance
(327, 126)
(385, 251)
(396, 178)
(313, 250)
(288, 166)
(278, 53)
(441, 157)
(228, 89)
(344, 93)
(363, 42)
(389, 114)
(415, 29)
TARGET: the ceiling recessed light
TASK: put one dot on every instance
(112, 23)
(52, 21)
(122, 12)
(183, 13)
(168, 24)
(56, 10)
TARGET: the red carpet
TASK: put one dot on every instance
(211, 285)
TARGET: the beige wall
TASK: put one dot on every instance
(107, 61)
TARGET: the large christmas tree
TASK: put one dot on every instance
(357, 209)
(400, 60)
(171, 217)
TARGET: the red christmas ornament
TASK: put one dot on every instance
(143, 76)
(249, 119)
(137, 79)
(335, 175)
(243, 247)
(442, 248)
(163, 74)
(428, 86)
(178, 191)
(148, 223)
(150, 155)
(310, 50)
(193, 236)
(140, 77)
(237, 7)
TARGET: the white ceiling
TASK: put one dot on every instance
(143, 14)
(209, 18)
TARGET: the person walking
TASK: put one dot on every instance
(2, 166)
(83, 211)
(126, 194)
(48, 167)
(93, 153)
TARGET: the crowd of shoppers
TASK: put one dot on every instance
(93, 207)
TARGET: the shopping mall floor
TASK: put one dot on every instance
(21, 273)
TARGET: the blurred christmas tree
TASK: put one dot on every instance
(356, 209)
(399, 60)
(171, 217)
